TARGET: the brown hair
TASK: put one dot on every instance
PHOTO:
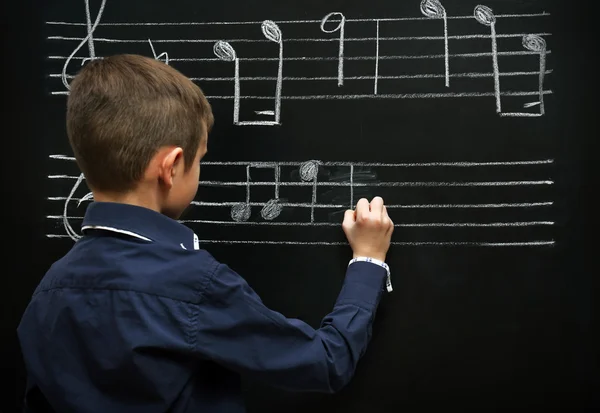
(122, 109)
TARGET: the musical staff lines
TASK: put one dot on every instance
(303, 56)
(312, 196)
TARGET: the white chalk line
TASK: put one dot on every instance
(392, 19)
(399, 243)
(301, 40)
(308, 78)
(327, 58)
(389, 206)
(415, 225)
(520, 114)
(332, 206)
(257, 164)
(386, 184)
(362, 184)
(379, 96)
(334, 224)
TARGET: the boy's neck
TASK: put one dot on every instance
(146, 199)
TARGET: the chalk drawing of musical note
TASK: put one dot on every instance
(485, 16)
(163, 54)
(241, 211)
(308, 172)
(534, 43)
(434, 10)
(272, 32)
(339, 28)
(224, 51)
(376, 56)
(334, 25)
(87, 39)
(360, 179)
(272, 208)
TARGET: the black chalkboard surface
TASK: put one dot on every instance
(468, 117)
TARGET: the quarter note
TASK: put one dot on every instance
(308, 172)
(434, 10)
(485, 16)
(339, 28)
(225, 52)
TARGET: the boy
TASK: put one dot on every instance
(136, 317)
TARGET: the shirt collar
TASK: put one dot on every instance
(136, 221)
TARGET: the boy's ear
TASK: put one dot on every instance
(170, 165)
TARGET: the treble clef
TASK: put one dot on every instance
(92, 52)
(89, 196)
(87, 39)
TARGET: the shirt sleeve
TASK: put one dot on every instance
(235, 329)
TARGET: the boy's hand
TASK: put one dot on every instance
(369, 229)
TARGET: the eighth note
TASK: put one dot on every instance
(485, 16)
(225, 52)
(537, 44)
(339, 28)
(434, 10)
(273, 208)
(241, 212)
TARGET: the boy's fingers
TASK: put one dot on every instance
(349, 217)
(377, 206)
(362, 209)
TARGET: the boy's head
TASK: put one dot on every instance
(138, 129)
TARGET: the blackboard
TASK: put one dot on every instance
(470, 118)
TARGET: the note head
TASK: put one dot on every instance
(326, 19)
(224, 51)
(271, 210)
(433, 9)
(271, 31)
(534, 43)
(241, 212)
(484, 15)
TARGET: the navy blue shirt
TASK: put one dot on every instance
(136, 317)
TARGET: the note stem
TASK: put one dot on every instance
(496, 67)
(248, 185)
(341, 56)
(446, 49)
(376, 58)
(279, 84)
(314, 200)
(236, 93)
(277, 178)
(541, 80)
